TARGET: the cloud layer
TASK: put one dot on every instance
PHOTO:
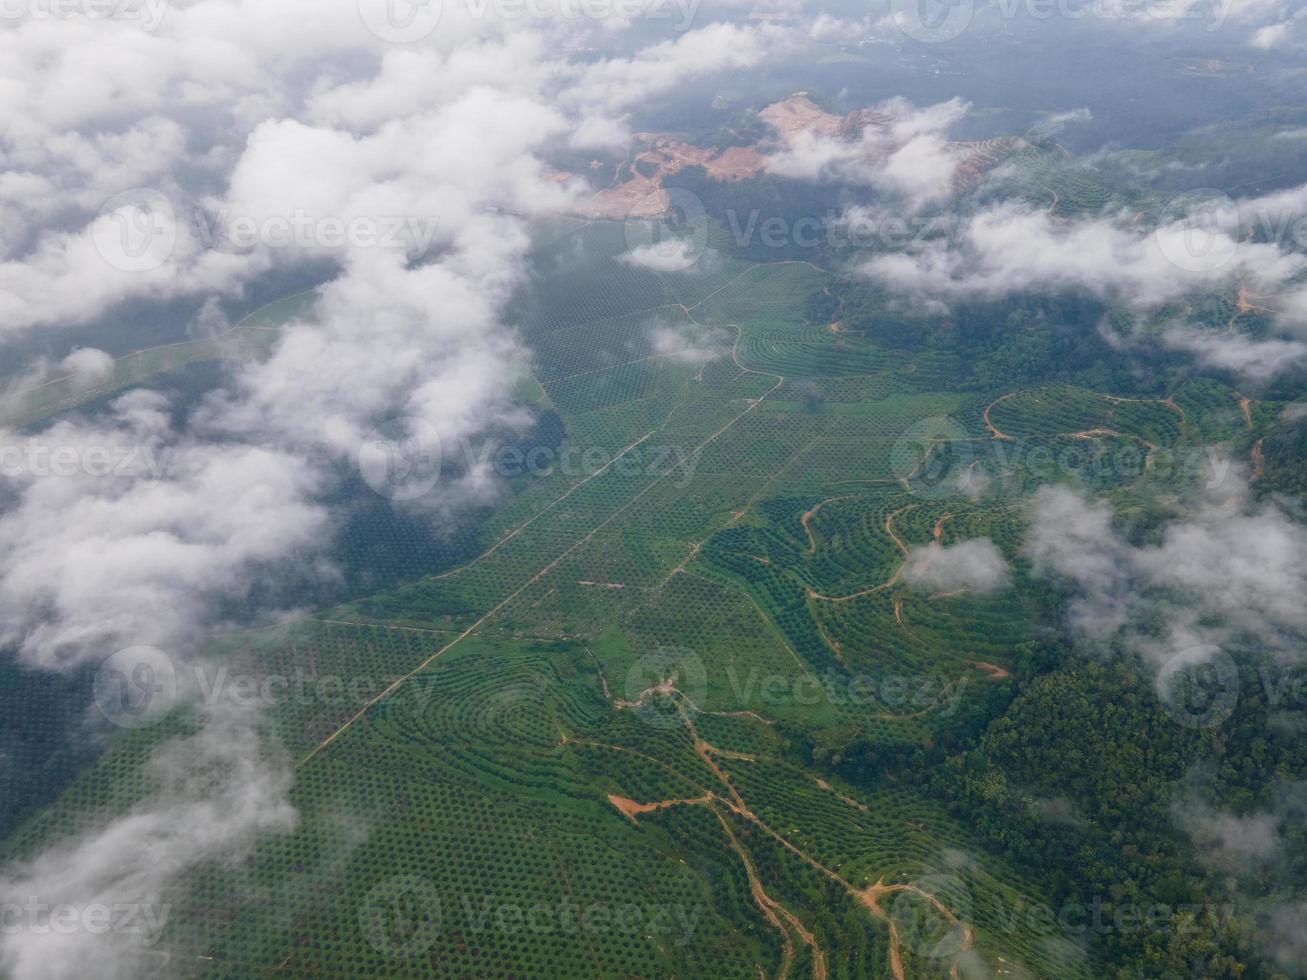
(235, 140)
(973, 566)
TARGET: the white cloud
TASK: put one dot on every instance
(616, 84)
(71, 277)
(1009, 249)
(259, 111)
(1257, 360)
(838, 30)
(82, 368)
(1253, 851)
(690, 342)
(976, 566)
(909, 156)
(1054, 122)
(1228, 567)
(214, 793)
(1271, 36)
(87, 366)
(1280, 33)
(1227, 841)
(124, 532)
(678, 255)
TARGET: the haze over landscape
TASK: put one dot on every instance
(653, 488)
